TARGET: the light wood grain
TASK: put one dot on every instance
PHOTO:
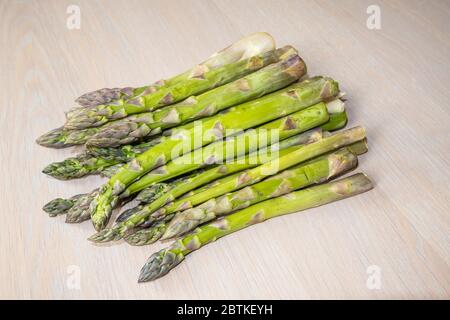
(397, 80)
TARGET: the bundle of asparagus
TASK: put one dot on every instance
(237, 139)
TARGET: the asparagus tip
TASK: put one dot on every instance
(159, 264)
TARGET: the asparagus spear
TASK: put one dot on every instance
(316, 171)
(80, 212)
(141, 214)
(62, 137)
(161, 262)
(123, 153)
(268, 79)
(252, 45)
(248, 46)
(335, 122)
(163, 192)
(243, 116)
(107, 95)
(200, 81)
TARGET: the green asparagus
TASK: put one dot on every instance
(248, 46)
(244, 116)
(251, 176)
(108, 172)
(268, 79)
(142, 214)
(80, 212)
(77, 167)
(200, 81)
(161, 262)
(95, 161)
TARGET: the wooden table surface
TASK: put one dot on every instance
(392, 242)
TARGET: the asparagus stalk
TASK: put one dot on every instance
(268, 79)
(252, 176)
(200, 81)
(287, 126)
(248, 46)
(80, 212)
(244, 116)
(316, 171)
(106, 96)
(160, 263)
(335, 122)
(142, 214)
